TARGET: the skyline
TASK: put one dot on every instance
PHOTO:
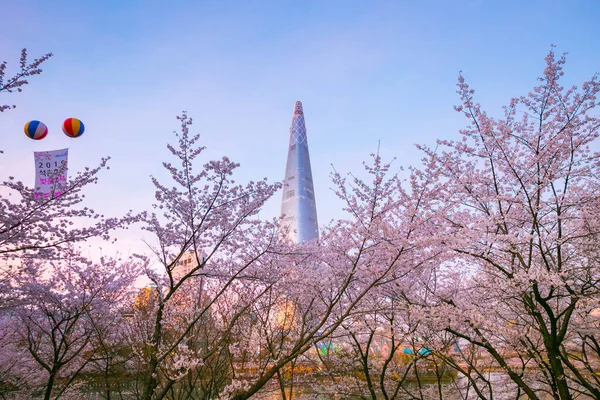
(367, 72)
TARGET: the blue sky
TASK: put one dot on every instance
(366, 71)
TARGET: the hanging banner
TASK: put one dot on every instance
(50, 172)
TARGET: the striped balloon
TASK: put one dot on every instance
(73, 127)
(35, 130)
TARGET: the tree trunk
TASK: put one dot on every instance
(559, 372)
(50, 385)
(152, 379)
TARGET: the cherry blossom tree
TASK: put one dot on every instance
(387, 236)
(61, 305)
(205, 212)
(516, 211)
(331, 284)
(51, 297)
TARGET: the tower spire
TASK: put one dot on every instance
(298, 207)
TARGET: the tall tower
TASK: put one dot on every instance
(298, 207)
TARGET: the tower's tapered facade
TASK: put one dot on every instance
(298, 207)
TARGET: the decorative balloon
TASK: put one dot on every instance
(73, 127)
(35, 130)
